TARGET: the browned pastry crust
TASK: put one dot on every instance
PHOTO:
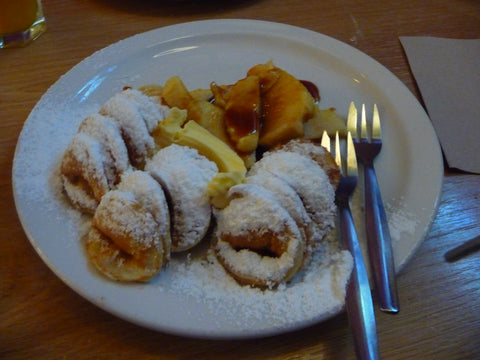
(257, 241)
(275, 221)
(93, 162)
(289, 199)
(106, 145)
(130, 235)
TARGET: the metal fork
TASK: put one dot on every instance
(359, 298)
(378, 235)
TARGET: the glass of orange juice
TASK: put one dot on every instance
(21, 22)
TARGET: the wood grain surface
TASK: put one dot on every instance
(41, 318)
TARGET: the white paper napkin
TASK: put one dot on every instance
(447, 72)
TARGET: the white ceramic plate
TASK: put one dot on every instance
(409, 168)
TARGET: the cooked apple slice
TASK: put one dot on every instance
(286, 105)
(324, 120)
(242, 114)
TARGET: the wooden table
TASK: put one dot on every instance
(40, 317)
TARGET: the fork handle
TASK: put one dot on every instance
(379, 244)
(359, 303)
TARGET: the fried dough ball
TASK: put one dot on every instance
(184, 175)
(94, 161)
(257, 241)
(317, 153)
(310, 182)
(130, 235)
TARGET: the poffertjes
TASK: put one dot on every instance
(151, 175)
(107, 144)
(130, 235)
(257, 241)
(185, 175)
(273, 223)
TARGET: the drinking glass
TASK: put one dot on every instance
(21, 22)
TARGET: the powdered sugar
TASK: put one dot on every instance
(316, 293)
(186, 186)
(288, 199)
(254, 210)
(118, 214)
(254, 220)
(36, 176)
(150, 109)
(308, 180)
(401, 221)
(114, 151)
(152, 198)
(132, 125)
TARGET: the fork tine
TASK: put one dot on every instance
(338, 155)
(326, 141)
(376, 128)
(352, 169)
(363, 131)
(352, 120)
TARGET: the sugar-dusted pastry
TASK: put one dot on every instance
(93, 162)
(317, 153)
(107, 144)
(310, 182)
(151, 196)
(185, 174)
(106, 131)
(149, 108)
(257, 241)
(137, 116)
(130, 234)
(288, 198)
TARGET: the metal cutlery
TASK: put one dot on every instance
(358, 299)
(367, 147)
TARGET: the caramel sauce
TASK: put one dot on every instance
(312, 89)
(242, 111)
(243, 120)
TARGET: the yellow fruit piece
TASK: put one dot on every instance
(324, 120)
(153, 90)
(242, 114)
(165, 132)
(248, 143)
(220, 94)
(196, 102)
(218, 188)
(195, 136)
(201, 94)
(209, 117)
(175, 94)
(286, 105)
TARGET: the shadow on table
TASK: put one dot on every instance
(176, 7)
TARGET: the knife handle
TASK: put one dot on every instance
(358, 301)
(379, 244)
